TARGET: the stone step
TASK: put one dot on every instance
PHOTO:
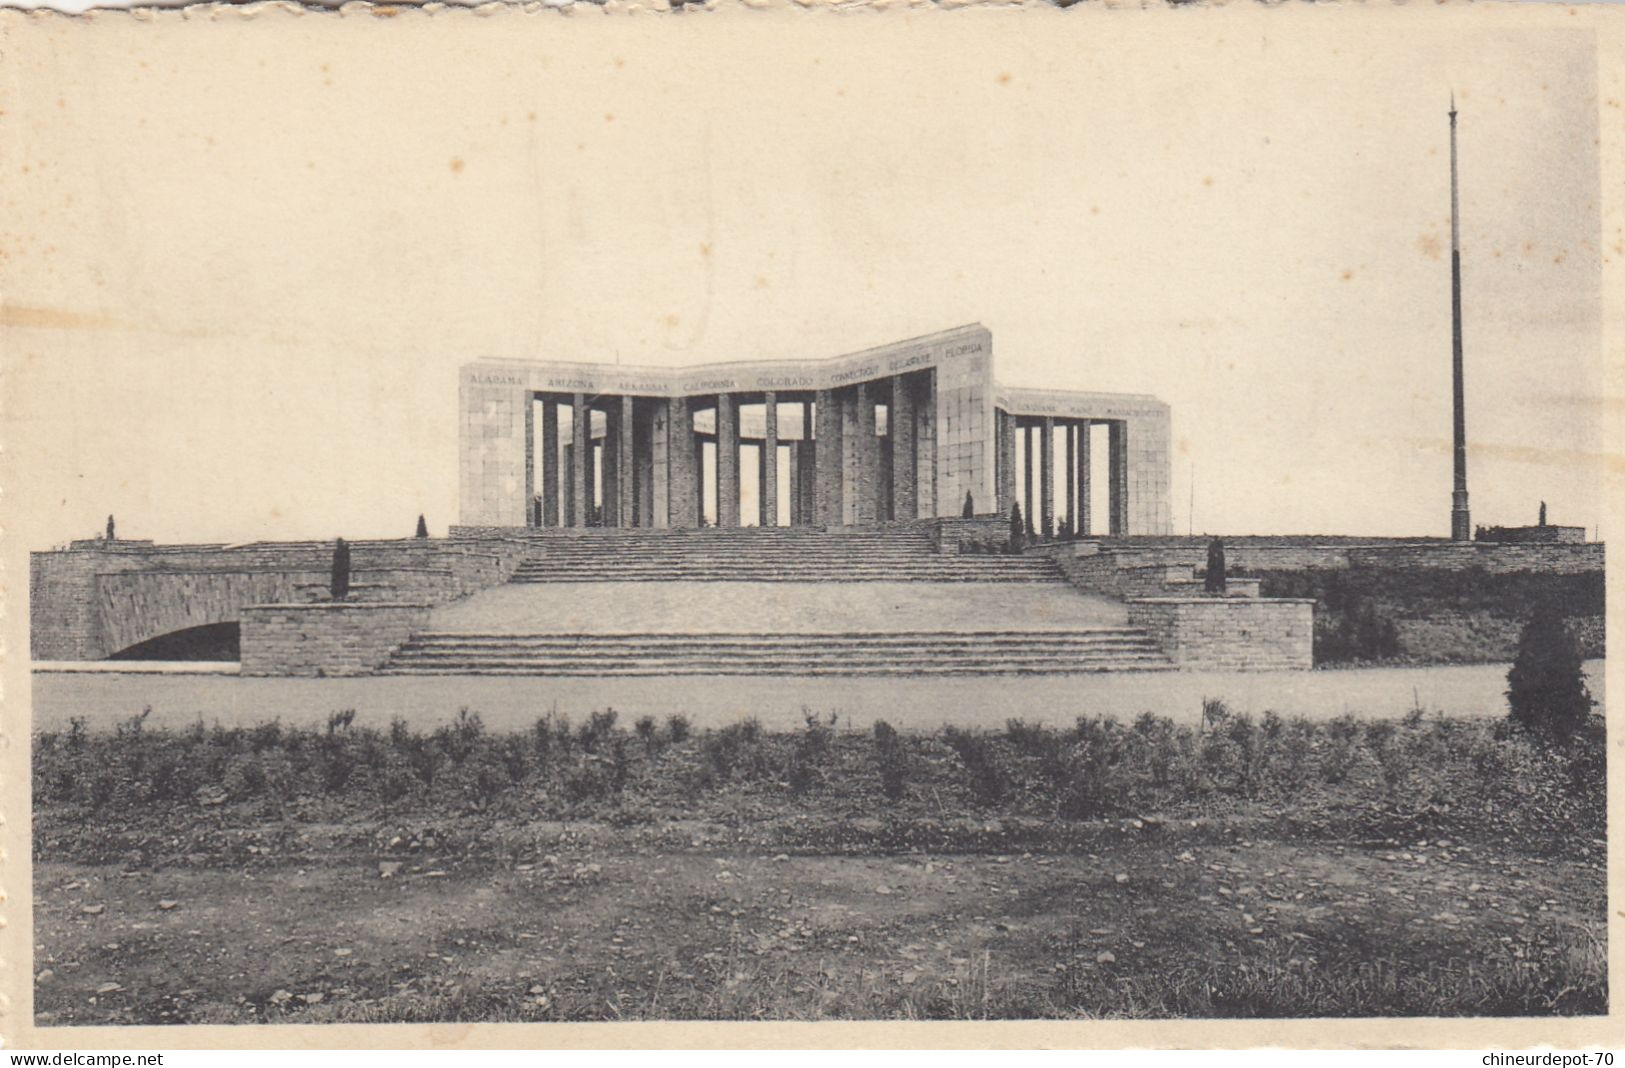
(876, 639)
(1013, 652)
(622, 668)
(788, 570)
(779, 576)
(744, 654)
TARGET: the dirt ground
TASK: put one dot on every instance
(511, 921)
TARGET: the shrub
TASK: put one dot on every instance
(810, 751)
(1018, 528)
(1248, 752)
(423, 527)
(541, 736)
(646, 729)
(1214, 580)
(734, 747)
(600, 726)
(987, 782)
(458, 739)
(1088, 774)
(1381, 737)
(339, 585)
(818, 736)
(1338, 759)
(892, 760)
(677, 727)
(1546, 690)
(1032, 739)
(1158, 740)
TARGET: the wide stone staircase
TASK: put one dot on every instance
(568, 611)
(767, 555)
(915, 653)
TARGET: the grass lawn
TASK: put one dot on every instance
(1419, 867)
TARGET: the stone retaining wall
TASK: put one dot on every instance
(1255, 554)
(96, 598)
(325, 639)
(1229, 633)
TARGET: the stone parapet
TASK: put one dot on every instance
(1300, 554)
(325, 639)
(97, 598)
(1229, 633)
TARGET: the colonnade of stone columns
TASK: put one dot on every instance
(841, 470)
(1027, 443)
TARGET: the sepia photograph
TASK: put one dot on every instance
(591, 514)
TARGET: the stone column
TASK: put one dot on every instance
(625, 480)
(550, 462)
(1046, 472)
(865, 456)
(569, 451)
(660, 462)
(610, 458)
(643, 460)
(595, 501)
(769, 482)
(925, 450)
(727, 461)
(1027, 459)
(827, 491)
(807, 468)
(905, 481)
(1085, 476)
(581, 444)
(683, 478)
(1005, 491)
(531, 518)
(1070, 478)
(1118, 452)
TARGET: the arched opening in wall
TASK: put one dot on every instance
(211, 642)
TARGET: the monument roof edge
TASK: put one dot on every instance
(526, 361)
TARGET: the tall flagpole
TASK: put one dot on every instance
(1460, 525)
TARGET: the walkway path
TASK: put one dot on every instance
(918, 704)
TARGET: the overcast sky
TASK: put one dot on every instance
(244, 260)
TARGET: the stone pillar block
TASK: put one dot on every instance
(904, 470)
(625, 471)
(865, 456)
(1046, 474)
(550, 461)
(683, 470)
(828, 491)
(769, 482)
(1085, 478)
(1069, 477)
(727, 461)
(581, 443)
(1117, 442)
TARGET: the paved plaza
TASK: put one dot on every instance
(774, 608)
